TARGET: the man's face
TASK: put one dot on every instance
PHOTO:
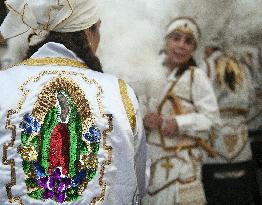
(179, 47)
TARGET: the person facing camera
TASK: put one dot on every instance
(178, 127)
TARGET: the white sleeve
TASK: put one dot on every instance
(205, 103)
(140, 147)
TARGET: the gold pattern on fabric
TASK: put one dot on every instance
(185, 30)
(10, 162)
(233, 111)
(109, 149)
(228, 65)
(189, 142)
(242, 135)
(212, 137)
(176, 103)
(174, 181)
(130, 110)
(47, 99)
(12, 128)
(192, 77)
(53, 61)
(231, 142)
(159, 110)
(168, 166)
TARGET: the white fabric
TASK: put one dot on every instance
(184, 23)
(197, 119)
(242, 98)
(214, 41)
(128, 146)
(42, 16)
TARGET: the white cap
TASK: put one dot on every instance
(43, 16)
(186, 25)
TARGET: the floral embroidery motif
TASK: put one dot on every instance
(59, 156)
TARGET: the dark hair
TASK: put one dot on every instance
(183, 67)
(74, 41)
(186, 66)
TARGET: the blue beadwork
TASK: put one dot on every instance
(39, 170)
(30, 124)
(78, 179)
(93, 135)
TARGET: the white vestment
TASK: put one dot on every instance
(176, 161)
(230, 139)
(109, 135)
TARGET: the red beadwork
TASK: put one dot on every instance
(59, 148)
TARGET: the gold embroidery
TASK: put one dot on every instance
(226, 64)
(53, 61)
(10, 162)
(177, 180)
(186, 30)
(233, 111)
(12, 128)
(176, 103)
(159, 109)
(105, 163)
(47, 99)
(130, 111)
(231, 142)
(190, 19)
(168, 166)
(234, 156)
(212, 137)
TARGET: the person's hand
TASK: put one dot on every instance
(170, 128)
(152, 121)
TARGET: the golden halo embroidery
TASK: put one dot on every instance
(53, 170)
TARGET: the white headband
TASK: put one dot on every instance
(185, 25)
(43, 16)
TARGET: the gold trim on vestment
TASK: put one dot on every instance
(233, 111)
(129, 107)
(53, 61)
(12, 128)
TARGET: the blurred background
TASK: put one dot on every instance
(132, 33)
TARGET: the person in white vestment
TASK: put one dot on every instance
(229, 177)
(69, 134)
(177, 129)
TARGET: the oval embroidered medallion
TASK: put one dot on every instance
(59, 143)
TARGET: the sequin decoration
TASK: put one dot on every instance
(130, 110)
(74, 192)
(58, 159)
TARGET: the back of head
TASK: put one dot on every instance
(61, 21)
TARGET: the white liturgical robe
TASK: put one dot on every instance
(68, 134)
(176, 161)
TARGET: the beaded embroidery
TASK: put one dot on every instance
(13, 130)
(59, 152)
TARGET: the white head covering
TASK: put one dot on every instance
(43, 16)
(185, 25)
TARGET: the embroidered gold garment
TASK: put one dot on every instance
(68, 134)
